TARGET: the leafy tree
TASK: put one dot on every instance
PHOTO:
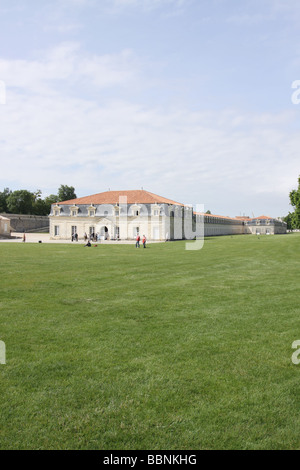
(27, 202)
(207, 212)
(21, 202)
(65, 193)
(52, 199)
(3, 199)
(295, 202)
(39, 205)
(289, 219)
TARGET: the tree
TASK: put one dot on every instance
(3, 199)
(49, 200)
(290, 221)
(39, 205)
(295, 202)
(21, 202)
(207, 212)
(65, 193)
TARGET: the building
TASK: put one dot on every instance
(122, 215)
(265, 225)
(5, 228)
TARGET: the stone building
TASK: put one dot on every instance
(5, 228)
(121, 215)
(265, 225)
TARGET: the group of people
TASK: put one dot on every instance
(138, 239)
(74, 237)
(94, 237)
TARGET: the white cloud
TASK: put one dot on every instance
(66, 62)
(177, 153)
(147, 5)
(50, 137)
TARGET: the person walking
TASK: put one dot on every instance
(144, 241)
(24, 238)
(137, 245)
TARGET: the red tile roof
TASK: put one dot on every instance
(112, 197)
(216, 216)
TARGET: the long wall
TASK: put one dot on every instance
(27, 223)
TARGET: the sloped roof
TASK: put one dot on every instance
(216, 216)
(263, 217)
(112, 197)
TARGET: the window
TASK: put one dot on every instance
(156, 212)
(74, 229)
(74, 210)
(91, 211)
(56, 230)
(136, 231)
(136, 213)
(56, 210)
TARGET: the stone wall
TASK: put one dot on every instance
(28, 223)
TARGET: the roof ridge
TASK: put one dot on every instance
(135, 193)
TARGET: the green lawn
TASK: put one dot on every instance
(122, 348)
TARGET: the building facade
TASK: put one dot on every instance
(5, 228)
(122, 215)
(265, 225)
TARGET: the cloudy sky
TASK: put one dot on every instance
(189, 99)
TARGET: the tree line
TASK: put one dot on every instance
(23, 201)
(293, 218)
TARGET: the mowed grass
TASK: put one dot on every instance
(122, 348)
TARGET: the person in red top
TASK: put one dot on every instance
(137, 245)
(144, 241)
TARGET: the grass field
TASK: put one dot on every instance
(121, 348)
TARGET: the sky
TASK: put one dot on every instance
(188, 99)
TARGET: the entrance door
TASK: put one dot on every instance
(104, 232)
(156, 233)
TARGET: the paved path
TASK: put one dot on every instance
(45, 238)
